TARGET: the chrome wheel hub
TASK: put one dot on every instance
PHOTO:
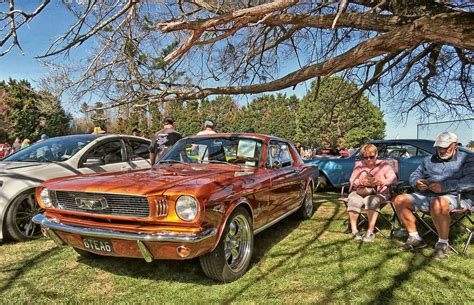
(237, 243)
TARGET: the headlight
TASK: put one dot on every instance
(187, 208)
(45, 198)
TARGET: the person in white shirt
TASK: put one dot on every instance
(208, 128)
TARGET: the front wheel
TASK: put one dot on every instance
(19, 225)
(306, 210)
(231, 258)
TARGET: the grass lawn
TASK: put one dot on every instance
(293, 262)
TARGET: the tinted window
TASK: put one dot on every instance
(140, 149)
(110, 152)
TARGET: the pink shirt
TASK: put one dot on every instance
(383, 172)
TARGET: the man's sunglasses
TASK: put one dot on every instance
(370, 157)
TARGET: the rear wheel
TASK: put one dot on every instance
(18, 221)
(231, 258)
(306, 210)
(322, 182)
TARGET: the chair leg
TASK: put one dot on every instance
(468, 242)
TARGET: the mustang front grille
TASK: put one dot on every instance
(102, 203)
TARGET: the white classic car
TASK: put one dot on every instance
(64, 156)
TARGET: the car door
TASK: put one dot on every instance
(138, 153)
(106, 156)
(284, 178)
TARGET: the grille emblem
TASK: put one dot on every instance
(95, 204)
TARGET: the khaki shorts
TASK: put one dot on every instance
(355, 202)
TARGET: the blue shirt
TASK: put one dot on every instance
(453, 174)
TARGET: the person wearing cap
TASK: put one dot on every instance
(436, 181)
(208, 128)
(163, 140)
(43, 137)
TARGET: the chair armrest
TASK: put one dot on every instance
(343, 186)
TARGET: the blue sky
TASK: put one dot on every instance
(42, 31)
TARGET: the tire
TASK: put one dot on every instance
(18, 223)
(86, 254)
(322, 182)
(306, 210)
(231, 258)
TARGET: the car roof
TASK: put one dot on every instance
(258, 136)
(96, 136)
(422, 143)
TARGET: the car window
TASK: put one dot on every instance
(139, 149)
(422, 152)
(279, 155)
(110, 152)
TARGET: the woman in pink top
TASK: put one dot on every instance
(370, 173)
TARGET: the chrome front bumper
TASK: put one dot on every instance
(54, 224)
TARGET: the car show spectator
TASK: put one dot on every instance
(369, 187)
(43, 137)
(98, 130)
(136, 132)
(209, 127)
(436, 181)
(16, 146)
(163, 139)
(25, 143)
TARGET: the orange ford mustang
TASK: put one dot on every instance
(206, 197)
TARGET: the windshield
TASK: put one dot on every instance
(227, 150)
(52, 150)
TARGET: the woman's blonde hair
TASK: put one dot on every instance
(369, 148)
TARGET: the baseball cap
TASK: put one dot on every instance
(44, 136)
(208, 123)
(445, 139)
(168, 120)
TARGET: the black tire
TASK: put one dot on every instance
(231, 258)
(322, 182)
(86, 254)
(306, 210)
(18, 224)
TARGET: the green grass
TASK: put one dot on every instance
(293, 262)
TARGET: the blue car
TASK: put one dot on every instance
(333, 172)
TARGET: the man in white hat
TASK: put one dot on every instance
(436, 181)
(209, 127)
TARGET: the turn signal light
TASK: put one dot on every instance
(183, 251)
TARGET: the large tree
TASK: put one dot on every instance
(416, 53)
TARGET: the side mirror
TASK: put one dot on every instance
(94, 162)
(276, 164)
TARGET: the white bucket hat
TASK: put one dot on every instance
(445, 139)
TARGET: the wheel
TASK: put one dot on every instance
(306, 210)
(231, 258)
(322, 182)
(18, 223)
(86, 254)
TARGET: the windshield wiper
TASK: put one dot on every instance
(171, 161)
(221, 162)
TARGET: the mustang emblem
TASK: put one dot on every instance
(95, 204)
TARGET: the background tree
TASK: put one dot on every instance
(329, 123)
(222, 110)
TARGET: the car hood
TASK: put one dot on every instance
(145, 182)
(17, 166)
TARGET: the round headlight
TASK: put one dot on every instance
(187, 208)
(45, 198)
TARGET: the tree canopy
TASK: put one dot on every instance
(416, 53)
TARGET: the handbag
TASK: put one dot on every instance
(365, 191)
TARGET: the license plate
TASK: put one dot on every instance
(98, 245)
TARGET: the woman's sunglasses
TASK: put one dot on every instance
(370, 157)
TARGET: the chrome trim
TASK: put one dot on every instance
(145, 252)
(102, 193)
(274, 221)
(54, 224)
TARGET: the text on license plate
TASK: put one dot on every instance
(98, 245)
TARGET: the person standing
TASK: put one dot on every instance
(208, 128)
(436, 181)
(43, 138)
(136, 132)
(163, 140)
(16, 146)
(25, 143)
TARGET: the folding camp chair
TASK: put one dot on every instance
(457, 218)
(393, 220)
